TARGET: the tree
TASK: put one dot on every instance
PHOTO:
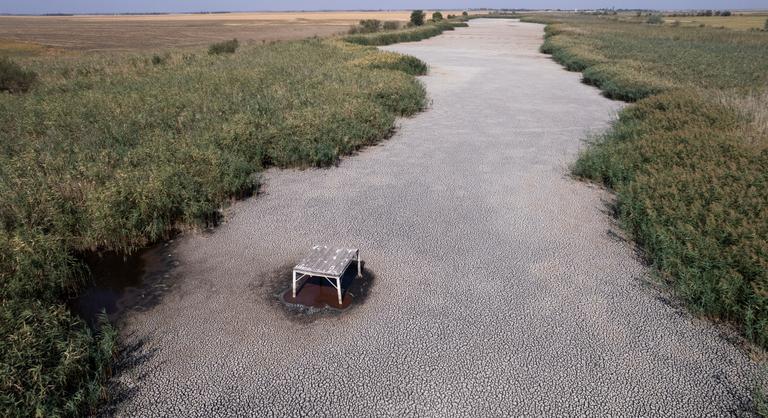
(437, 16)
(417, 17)
(464, 13)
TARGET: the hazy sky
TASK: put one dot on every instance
(112, 6)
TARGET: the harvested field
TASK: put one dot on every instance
(142, 32)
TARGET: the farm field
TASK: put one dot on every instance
(161, 32)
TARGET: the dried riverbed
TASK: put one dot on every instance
(500, 288)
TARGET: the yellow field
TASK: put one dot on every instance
(10, 47)
(153, 32)
(739, 22)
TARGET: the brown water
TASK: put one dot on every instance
(317, 293)
(120, 282)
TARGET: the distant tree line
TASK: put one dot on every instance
(702, 13)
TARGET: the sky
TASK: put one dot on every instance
(135, 6)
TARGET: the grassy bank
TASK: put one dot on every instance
(404, 35)
(112, 152)
(688, 160)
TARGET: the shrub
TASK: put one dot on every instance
(225, 47)
(15, 79)
(417, 17)
(464, 13)
(157, 59)
(726, 13)
(407, 35)
(389, 60)
(765, 25)
(370, 26)
(391, 25)
(437, 16)
(655, 20)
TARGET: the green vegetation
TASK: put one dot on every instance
(372, 26)
(687, 161)
(391, 25)
(13, 78)
(366, 26)
(225, 47)
(495, 15)
(655, 20)
(437, 16)
(417, 17)
(406, 35)
(113, 152)
(52, 364)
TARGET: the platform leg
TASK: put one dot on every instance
(293, 284)
(338, 288)
(359, 269)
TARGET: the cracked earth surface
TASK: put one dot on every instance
(501, 287)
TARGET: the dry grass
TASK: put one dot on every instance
(753, 108)
(739, 22)
(21, 49)
(142, 32)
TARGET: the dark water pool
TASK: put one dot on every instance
(121, 282)
(317, 294)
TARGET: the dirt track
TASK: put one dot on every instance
(501, 286)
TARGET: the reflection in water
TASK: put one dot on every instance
(119, 282)
(317, 293)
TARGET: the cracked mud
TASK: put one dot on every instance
(500, 286)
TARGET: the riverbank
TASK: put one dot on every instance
(687, 161)
(111, 152)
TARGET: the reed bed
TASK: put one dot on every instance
(688, 160)
(116, 151)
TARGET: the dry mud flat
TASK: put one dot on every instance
(500, 289)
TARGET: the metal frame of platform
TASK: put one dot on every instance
(328, 263)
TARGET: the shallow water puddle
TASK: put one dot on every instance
(121, 282)
(316, 294)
